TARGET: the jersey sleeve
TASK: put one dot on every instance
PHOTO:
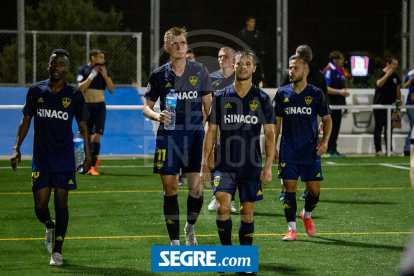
(152, 92)
(328, 77)
(277, 105)
(80, 77)
(29, 108)
(206, 86)
(322, 108)
(214, 116)
(269, 112)
(81, 111)
(398, 80)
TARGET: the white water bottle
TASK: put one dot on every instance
(171, 104)
(79, 152)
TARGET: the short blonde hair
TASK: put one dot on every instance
(174, 31)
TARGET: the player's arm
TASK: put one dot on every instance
(86, 164)
(342, 92)
(208, 143)
(266, 174)
(327, 129)
(410, 79)
(277, 133)
(399, 95)
(83, 86)
(107, 79)
(388, 73)
(207, 103)
(150, 113)
(21, 134)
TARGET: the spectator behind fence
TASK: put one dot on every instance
(92, 80)
(409, 83)
(335, 79)
(387, 91)
(190, 54)
(253, 37)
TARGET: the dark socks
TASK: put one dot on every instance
(311, 202)
(246, 231)
(289, 206)
(44, 217)
(171, 215)
(224, 231)
(62, 220)
(193, 208)
(95, 147)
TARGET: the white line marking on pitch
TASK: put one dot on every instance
(393, 166)
(330, 163)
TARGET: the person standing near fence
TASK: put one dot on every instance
(387, 92)
(335, 79)
(53, 103)
(181, 147)
(92, 79)
(221, 79)
(409, 83)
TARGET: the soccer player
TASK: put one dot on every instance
(297, 106)
(239, 111)
(92, 80)
(181, 147)
(190, 54)
(221, 79)
(53, 103)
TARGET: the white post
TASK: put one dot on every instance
(21, 50)
(389, 125)
(279, 70)
(139, 59)
(285, 35)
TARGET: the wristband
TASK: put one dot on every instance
(338, 91)
(92, 75)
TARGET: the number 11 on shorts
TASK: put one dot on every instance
(161, 153)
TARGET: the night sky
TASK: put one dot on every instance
(373, 27)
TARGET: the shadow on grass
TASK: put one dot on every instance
(91, 270)
(329, 241)
(358, 202)
(120, 174)
(282, 215)
(283, 269)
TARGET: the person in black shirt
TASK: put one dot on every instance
(387, 91)
(254, 39)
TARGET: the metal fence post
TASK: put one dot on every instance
(87, 46)
(34, 57)
(389, 125)
(139, 58)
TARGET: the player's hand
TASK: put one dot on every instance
(266, 175)
(322, 147)
(97, 68)
(85, 166)
(398, 102)
(320, 128)
(276, 156)
(164, 117)
(16, 156)
(346, 111)
(390, 70)
(203, 174)
(344, 92)
(103, 71)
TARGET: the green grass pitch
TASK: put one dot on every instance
(363, 221)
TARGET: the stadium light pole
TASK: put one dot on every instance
(155, 34)
(411, 48)
(279, 43)
(404, 38)
(21, 52)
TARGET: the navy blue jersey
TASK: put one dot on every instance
(53, 116)
(219, 81)
(190, 87)
(240, 121)
(97, 83)
(300, 122)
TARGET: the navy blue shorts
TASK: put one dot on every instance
(169, 159)
(292, 171)
(64, 180)
(226, 183)
(97, 116)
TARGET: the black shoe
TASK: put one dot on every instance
(406, 153)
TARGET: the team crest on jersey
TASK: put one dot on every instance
(217, 180)
(308, 100)
(66, 102)
(148, 88)
(193, 80)
(253, 105)
(159, 164)
(395, 80)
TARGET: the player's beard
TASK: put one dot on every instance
(298, 79)
(243, 79)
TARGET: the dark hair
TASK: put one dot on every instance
(61, 52)
(250, 17)
(299, 57)
(389, 59)
(95, 52)
(190, 51)
(245, 53)
(335, 55)
(304, 51)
